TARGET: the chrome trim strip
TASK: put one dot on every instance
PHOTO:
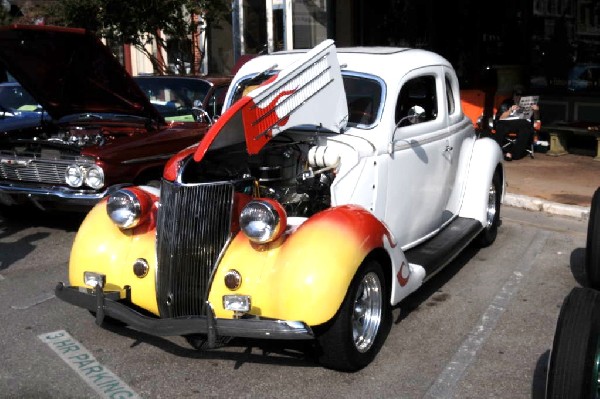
(146, 159)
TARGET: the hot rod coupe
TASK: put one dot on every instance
(101, 129)
(335, 183)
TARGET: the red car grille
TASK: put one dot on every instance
(33, 170)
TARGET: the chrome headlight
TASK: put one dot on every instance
(124, 209)
(263, 220)
(74, 176)
(94, 177)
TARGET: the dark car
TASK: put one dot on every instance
(103, 130)
(574, 363)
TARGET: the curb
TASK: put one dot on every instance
(554, 208)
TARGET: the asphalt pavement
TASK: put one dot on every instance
(559, 185)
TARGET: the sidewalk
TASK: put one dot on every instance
(561, 185)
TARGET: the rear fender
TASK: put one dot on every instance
(304, 275)
(487, 157)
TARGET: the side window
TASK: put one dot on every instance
(364, 99)
(215, 102)
(450, 97)
(417, 101)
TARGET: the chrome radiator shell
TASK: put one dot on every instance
(193, 227)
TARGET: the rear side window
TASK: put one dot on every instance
(450, 97)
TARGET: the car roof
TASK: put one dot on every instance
(389, 63)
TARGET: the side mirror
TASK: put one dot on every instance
(415, 113)
(200, 114)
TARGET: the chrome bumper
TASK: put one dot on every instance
(10, 193)
(106, 304)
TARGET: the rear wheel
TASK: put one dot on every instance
(357, 332)
(573, 366)
(592, 250)
(490, 230)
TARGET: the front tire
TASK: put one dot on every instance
(490, 230)
(573, 366)
(359, 329)
(592, 250)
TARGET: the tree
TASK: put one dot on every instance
(143, 23)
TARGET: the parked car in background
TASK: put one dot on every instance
(103, 131)
(176, 97)
(321, 197)
(19, 111)
(584, 77)
(574, 365)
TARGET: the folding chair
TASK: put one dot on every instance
(511, 139)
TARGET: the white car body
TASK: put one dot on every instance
(416, 179)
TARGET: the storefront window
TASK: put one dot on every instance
(310, 22)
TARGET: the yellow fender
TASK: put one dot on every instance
(303, 276)
(101, 247)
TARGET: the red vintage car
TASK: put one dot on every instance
(105, 130)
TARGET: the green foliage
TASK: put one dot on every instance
(5, 17)
(138, 22)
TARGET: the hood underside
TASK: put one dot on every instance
(310, 92)
(70, 71)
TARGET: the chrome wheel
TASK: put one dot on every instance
(366, 315)
(356, 334)
(491, 206)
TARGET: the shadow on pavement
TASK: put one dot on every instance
(17, 218)
(13, 251)
(431, 293)
(21, 228)
(577, 262)
(538, 385)
(274, 352)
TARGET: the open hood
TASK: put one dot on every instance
(308, 92)
(70, 71)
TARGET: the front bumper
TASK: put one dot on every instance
(106, 304)
(13, 193)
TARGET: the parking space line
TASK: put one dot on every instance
(97, 376)
(35, 301)
(447, 381)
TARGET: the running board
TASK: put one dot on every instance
(437, 252)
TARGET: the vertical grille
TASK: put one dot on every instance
(193, 226)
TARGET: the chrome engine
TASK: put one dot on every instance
(79, 136)
(285, 170)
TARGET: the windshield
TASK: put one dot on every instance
(13, 98)
(174, 97)
(363, 95)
